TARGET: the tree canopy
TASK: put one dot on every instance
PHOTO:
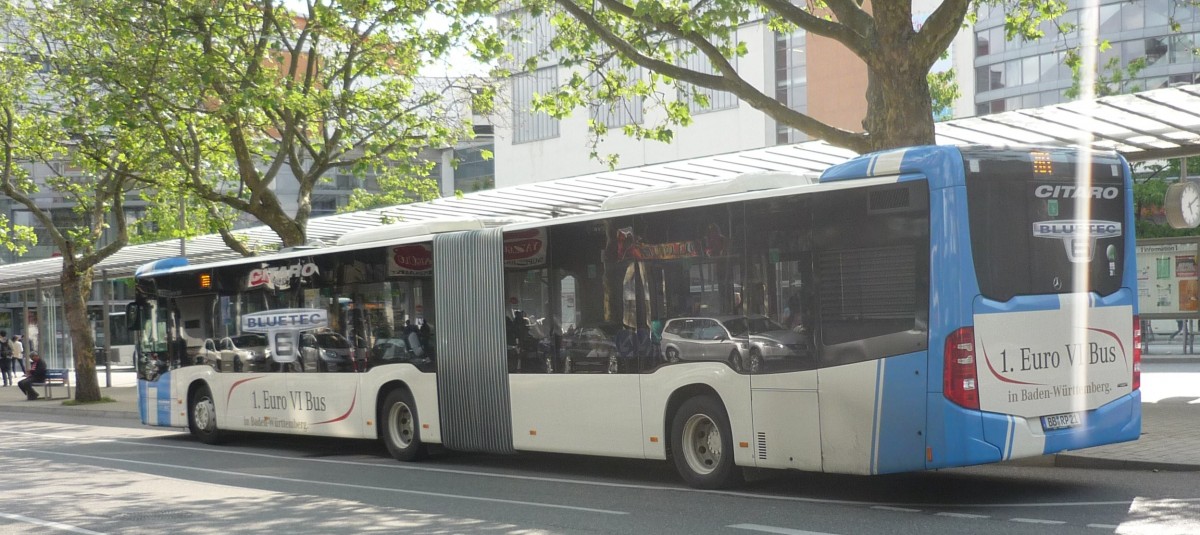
(238, 95)
(692, 47)
(53, 125)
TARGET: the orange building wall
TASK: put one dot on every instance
(837, 84)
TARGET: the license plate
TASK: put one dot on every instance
(1061, 421)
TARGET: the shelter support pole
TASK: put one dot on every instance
(105, 290)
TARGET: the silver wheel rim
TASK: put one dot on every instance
(402, 426)
(701, 444)
(204, 412)
(672, 355)
(755, 362)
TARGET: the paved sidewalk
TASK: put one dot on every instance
(123, 391)
(1170, 438)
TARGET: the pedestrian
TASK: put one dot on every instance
(1178, 331)
(35, 375)
(5, 359)
(18, 353)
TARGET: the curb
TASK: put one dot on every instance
(72, 411)
(1066, 460)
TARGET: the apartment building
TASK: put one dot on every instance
(1010, 75)
(820, 77)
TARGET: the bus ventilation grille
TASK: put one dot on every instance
(889, 200)
(762, 445)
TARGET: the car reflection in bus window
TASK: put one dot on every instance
(325, 352)
(415, 345)
(247, 352)
(591, 349)
(533, 343)
(209, 355)
(750, 344)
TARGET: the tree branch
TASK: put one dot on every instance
(939, 31)
(728, 81)
(854, 30)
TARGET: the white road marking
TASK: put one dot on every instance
(1149, 516)
(1036, 521)
(897, 509)
(49, 524)
(960, 515)
(776, 529)
(476, 473)
(332, 484)
(1103, 526)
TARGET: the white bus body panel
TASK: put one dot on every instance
(1072, 359)
(849, 420)
(733, 389)
(596, 414)
(325, 404)
(787, 421)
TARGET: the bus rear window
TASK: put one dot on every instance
(1025, 211)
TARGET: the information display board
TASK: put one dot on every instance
(1168, 280)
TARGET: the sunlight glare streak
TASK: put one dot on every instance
(1089, 30)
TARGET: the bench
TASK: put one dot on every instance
(55, 377)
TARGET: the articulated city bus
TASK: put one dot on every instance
(913, 309)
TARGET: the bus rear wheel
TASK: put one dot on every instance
(398, 424)
(202, 418)
(702, 444)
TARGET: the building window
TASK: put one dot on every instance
(1183, 48)
(717, 100)
(531, 38)
(324, 206)
(613, 109)
(530, 125)
(474, 173)
(791, 81)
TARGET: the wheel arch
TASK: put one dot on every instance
(192, 388)
(676, 400)
(384, 391)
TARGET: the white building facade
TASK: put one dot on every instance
(820, 77)
(812, 75)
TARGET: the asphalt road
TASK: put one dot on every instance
(65, 475)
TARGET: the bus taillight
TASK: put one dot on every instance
(959, 382)
(1137, 353)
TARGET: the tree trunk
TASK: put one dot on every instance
(76, 286)
(290, 232)
(899, 107)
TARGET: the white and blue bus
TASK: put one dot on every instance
(913, 309)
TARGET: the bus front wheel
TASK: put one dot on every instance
(702, 444)
(399, 427)
(202, 418)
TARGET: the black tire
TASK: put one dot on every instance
(735, 360)
(400, 428)
(671, 354)
(202, 417)
(755, 364)
(698, 429)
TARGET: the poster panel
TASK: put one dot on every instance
(1168, 279)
